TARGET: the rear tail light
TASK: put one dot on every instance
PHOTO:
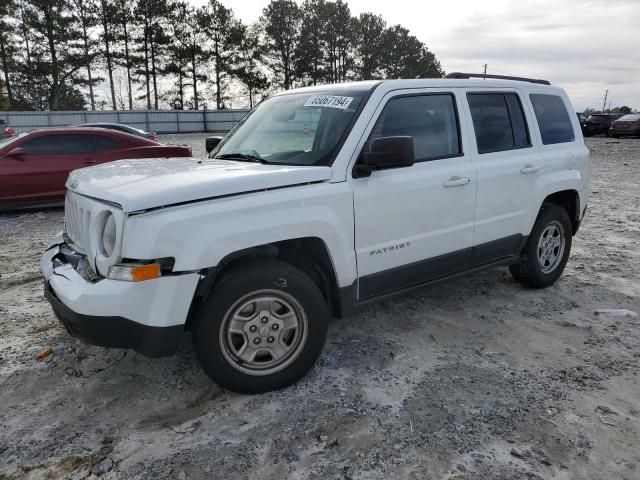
(10, 131)
(613, 124)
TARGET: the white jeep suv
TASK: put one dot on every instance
(320, 200)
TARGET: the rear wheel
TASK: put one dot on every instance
(262, 328)
(547, 250)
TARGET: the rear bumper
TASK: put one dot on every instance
(597, 129)
(624, 131)
(148, 316)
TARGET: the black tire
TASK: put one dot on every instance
(215, 346)
(528, 270)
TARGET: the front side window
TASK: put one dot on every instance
(430, 119)
(294, 129)
(553, 119)
(498, 121)
(59, 144)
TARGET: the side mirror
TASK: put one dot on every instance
(18, 153)
(386, 152)
(212, 142)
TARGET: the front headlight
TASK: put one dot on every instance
(108, 237)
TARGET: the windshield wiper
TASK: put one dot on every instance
(243, 157)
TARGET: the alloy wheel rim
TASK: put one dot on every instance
(551, 247)
(263, 332)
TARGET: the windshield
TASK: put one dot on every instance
(293, 129)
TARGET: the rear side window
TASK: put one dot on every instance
(553, 119)
(498, 121)
(431, 120)
(105, 143)
(59, 144)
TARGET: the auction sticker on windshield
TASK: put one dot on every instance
(331, 101)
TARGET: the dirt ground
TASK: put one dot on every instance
(477, 378)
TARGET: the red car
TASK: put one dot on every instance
(34, 166)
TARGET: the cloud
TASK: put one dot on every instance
(584, 46)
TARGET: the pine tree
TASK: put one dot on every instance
(222, 30)
(337, 39)
(407, 57)
(86, 12)
(123, 16)
(149, 16)
(310, 51)
(107, 14)
(7, 48)
(186, 54)
(368, 31)
(281, 22)
(249, 70)
(57, 55)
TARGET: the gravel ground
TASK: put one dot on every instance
(477, 378)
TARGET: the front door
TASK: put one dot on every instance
(41, 173)
(415, 224)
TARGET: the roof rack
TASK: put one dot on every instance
(497, 77)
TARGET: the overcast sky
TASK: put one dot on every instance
(585, 46)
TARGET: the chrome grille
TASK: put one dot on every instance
(77, 222)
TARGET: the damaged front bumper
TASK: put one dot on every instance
(147, 316)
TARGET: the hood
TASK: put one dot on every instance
(155, 182)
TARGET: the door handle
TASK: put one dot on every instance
(456, 181)
(89, 160)
(528, 168)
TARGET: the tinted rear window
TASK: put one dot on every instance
(629, 118)
(105, 143)
(553, 119)
(498, 121)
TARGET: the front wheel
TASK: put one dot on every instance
(547, 250)
(262, 327)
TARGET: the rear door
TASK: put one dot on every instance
(510, 170)
(107, 148)
(48, 159)
(415, 224)
(561, 145)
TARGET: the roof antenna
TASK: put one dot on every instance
(485, 71)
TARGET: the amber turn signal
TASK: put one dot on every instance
(134, 273)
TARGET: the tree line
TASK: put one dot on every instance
(153, 53)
